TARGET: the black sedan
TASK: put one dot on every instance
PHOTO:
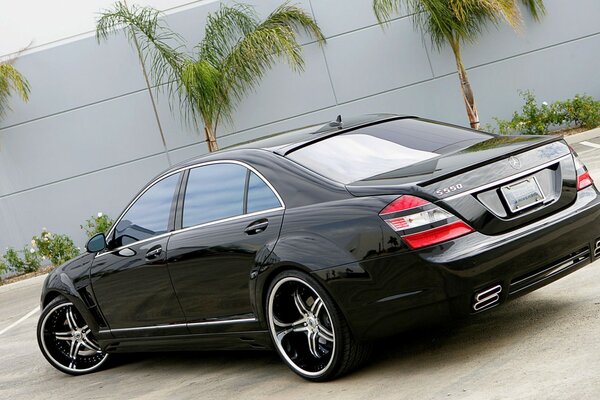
(318, 241)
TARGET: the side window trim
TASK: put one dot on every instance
(246, 188)
(112, 231)
(180, 200)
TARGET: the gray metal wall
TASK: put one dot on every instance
(88, 138)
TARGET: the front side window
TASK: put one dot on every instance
(149, 215)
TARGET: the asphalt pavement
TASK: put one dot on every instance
(545, 345)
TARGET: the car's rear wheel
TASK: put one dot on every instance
(308, 330)
(66, 340)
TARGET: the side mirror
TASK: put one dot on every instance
(96, 243)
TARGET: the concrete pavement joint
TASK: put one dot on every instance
(17, 322)
(589, 144)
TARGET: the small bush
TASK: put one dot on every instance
(33, 259)
(13, 262)
(57, 248)
(534, 119)
(98, 224)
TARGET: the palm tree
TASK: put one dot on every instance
(234, 55)
(454, 22)
(11, 81)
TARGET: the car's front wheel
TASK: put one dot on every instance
(66, 340)
(308, 330)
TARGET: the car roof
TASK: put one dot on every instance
(283, 143)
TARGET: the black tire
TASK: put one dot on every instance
(312, 337)
(66, 341)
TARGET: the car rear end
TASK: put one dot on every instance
(469, 220)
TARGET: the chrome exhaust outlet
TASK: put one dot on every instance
(487, 298)
(597, 248)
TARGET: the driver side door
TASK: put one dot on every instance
(130, 279)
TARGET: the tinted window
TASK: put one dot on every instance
(260, 196)
(149, 215)
(214, 192)
(380, 148)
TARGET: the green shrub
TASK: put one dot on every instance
(13, 262)
(534, 119)
(98, 224)
(57, 248)
(33, 259)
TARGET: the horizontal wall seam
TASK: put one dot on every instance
(342, 103)
(161, 153)
(73, 109)
(289, 117)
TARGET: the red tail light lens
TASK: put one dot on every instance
(583, 176)
(421, 223)
(584, 180)
(437, 235)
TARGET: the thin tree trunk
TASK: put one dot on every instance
(465, 85)
(211, 140)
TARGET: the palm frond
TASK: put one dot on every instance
(224, 28)
(11, 81)
(157, 43)
(446, 20)
(202, 91)
(536, 8)
(260, 49)
(385, 9)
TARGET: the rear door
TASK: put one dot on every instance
(230, 219)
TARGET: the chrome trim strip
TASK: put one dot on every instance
(200, 164)
(193, 324)
(189, 229)
(508, 179)
(221, 322)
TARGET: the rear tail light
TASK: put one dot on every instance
(421, 223)
(583, 176)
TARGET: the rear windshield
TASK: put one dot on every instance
(380, 148)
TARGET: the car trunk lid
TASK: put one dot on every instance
(495, 185)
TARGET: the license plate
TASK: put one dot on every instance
(523, 194)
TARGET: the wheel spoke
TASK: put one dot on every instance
(325, 333)
(75, 346)
(300, 304)
(281, 324)
(312, 344)
(316, 307)
(283, 333)
(86, 342)
(71, 319)
(63, 335)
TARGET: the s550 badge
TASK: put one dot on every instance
(449, 189)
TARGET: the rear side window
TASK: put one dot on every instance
(380, 148)
(214, 192)
(260, 196)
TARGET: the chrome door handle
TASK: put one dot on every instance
(257, 227)
(154, 253)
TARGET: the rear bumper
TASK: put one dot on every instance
(389, 294)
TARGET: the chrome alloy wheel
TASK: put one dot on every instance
(301, 326)
(68, 342)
